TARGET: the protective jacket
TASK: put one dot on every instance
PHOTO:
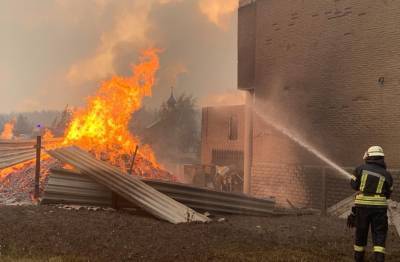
(374, 185)
(373, 182)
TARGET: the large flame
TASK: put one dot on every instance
(102, 127)
(7, 130)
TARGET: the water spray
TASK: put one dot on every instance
(301, 143)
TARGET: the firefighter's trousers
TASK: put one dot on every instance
(376, 217)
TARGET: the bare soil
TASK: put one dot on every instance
(46, 233)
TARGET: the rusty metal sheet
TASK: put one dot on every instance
(130, 188)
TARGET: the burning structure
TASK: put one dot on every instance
(324, 70)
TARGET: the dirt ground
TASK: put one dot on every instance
(51, 234)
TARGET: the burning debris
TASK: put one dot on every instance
(17, 182)
(102, 129)
(102, 126)
(129, 187)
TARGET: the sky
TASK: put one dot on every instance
(57, 52)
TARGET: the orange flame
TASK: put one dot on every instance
(7, 131)
(102, 127)
(48, 135)
(16, 168)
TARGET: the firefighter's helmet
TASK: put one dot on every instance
(374, 151)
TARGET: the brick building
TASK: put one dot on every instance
(222, 135)
(328, 71)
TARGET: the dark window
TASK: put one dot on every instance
(233, 128)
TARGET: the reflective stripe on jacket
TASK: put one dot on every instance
(374, 200)
(374, 183)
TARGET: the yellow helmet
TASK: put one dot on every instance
(374, 151)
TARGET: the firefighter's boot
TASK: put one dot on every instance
(379, 257)
(359, 256)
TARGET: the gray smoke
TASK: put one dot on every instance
(57, 52)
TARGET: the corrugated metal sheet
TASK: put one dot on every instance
(343, 208)
(210, 200)
(129, 187)
(13, 152)
(70, 187)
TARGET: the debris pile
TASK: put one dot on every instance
(129, 187)
(71, 187)
(17, 183)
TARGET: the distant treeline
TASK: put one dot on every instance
(173, 130)
(25, 122)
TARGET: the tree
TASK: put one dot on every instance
(22, 126)
(176, 130)
(2, 122)
(60, 124)
(141, 119)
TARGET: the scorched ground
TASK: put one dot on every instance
(51, 234)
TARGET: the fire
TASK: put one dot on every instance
(102, 126)
(16, 168)
(7, 131)
(48, 135)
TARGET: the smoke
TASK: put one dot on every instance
(131, 25)
(224, 98)
(28, 104)
(131, 29)
(173, 72)
(194, 55)
(219, 12)
(69, 47)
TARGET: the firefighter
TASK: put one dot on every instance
(374, 185)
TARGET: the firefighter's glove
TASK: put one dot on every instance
(351, 219)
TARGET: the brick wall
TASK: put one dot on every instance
(215, 130)
(303, 186)
(246, 46)
(284, 182)
(317, 66)
(337, 187)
